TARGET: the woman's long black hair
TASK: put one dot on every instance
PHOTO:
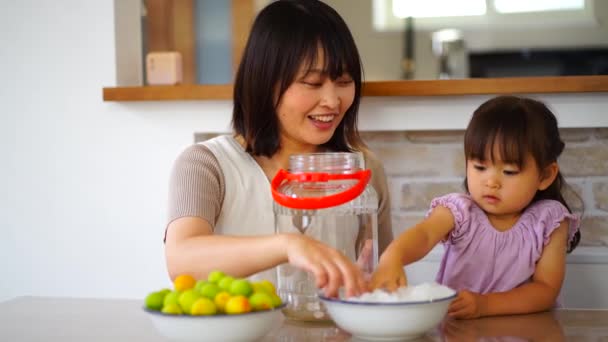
(286, 34)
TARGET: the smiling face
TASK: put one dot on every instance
(313, 106)
(503, 190)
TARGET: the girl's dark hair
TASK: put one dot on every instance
(519, 126)
(284, 35)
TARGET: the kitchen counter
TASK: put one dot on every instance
(70, 319)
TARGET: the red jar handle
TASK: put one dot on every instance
(363, 178)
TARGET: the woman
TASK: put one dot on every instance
(297, 90)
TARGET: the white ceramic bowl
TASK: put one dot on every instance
(387, 321)
(242, 327)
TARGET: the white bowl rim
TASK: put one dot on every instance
(160, 313)
(352, 302)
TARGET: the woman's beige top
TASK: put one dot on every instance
(219, 182)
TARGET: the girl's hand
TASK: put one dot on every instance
(467, 305)
(389, 275)
(331, 268)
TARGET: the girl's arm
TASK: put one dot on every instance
(412, 245)
(192, 248)
(538, 295)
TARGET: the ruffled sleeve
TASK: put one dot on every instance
(460, 207)
(548, 215)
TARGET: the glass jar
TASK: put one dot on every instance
(326, 196)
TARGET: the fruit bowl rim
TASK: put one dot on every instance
(160, 313)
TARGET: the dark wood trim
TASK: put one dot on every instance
(527, 85)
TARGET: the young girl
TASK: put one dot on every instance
(505, 239)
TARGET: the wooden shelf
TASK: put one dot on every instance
(168, 93)
(473, 86)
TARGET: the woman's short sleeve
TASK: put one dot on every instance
(196, 186)
(460, 207)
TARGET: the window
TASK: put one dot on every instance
(438, 8)
(518, 6)
(487, 14)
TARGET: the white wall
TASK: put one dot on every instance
(83, 182)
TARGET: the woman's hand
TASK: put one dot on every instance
(331, 268)
(389, 275)
(467, 305)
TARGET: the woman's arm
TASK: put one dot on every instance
(190, 247)
(538, 295)
(196, 194)
(195, 201)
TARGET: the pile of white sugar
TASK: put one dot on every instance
(417, 293)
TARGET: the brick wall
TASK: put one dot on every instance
(423, 165)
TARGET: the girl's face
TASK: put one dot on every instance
(504, 190)
(313, 106)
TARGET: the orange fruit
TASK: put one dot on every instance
(184, 282)
(237, 305)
